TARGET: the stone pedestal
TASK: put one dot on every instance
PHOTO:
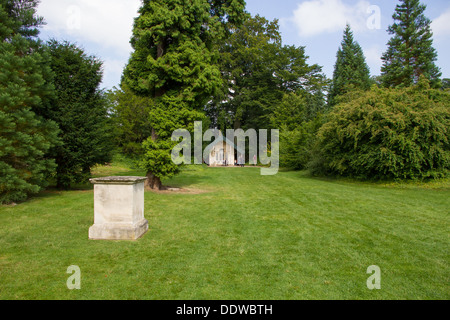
(118, 209)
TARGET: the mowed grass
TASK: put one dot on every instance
(245, 236)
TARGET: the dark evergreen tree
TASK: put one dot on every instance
(130, 115)
(410, 52)
(25, 136)
(351, 70)
(446, 84)
(174, 63)
(247, 66)
(258, 71)
(80, 110)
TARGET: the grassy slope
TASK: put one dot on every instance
(251, 237)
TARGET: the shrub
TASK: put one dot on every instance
(296, 145)
(387, 134)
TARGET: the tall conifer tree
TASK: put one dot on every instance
(410, 52)
(175, 63)
(351, 70)
(25, 136)
(80, 110)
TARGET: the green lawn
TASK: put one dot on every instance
(245, 236)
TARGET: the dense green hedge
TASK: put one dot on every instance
(387, 134)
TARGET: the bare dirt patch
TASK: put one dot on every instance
(178, 190)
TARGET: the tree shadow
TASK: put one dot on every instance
(186, 181)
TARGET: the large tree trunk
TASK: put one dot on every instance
(237, 124)
(152, 182)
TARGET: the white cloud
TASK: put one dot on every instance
(113, 69)
(315, 17)
(107, 23)
(440, 25)
(373, 58)
(373, 54)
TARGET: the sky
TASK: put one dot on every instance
(104, 27)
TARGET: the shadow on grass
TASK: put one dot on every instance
(51, 192)
(185, 182)
(103, 171)
(194, 177)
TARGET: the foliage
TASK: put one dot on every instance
(173, 44)
(258, 71)
(130, 115)
(80, 110)
(410, 52)
(446, 84)
(174, 63)
(297, 130)
(296, 146)
(350, 71)
(25, 136)
(388, 134)
(157, 152)
(290, 112)
(157, 160)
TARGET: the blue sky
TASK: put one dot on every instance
(103, 28)
(319, 25)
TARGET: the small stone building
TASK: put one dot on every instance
(224, 153)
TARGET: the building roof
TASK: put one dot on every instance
(222, 138)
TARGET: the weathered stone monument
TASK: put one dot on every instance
(118, 209)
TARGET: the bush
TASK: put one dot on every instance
(298, 126)
(296, 145)
(80, 110)
(387, 134)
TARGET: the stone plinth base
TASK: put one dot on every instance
(118, 232)
(118, 209)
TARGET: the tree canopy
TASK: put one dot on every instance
(174, 62)
(350, 71)
(25, 87)
(80, 110)
(258, 71)
(410, 52)
(400, 133)
(130, 118)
